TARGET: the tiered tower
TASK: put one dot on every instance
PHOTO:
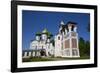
(66, 41)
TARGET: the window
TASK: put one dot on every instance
(67, 52)
(74, 52)
(72, 27)
(74, 43)
(59, 38)
(73, 34)
(67, 43)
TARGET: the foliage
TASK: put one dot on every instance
(84, 47)
(87, 51)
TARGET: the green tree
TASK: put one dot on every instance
(87, 51)
(88, 42)
(82, 46)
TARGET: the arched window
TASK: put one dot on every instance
(74, 52)
(58, 37)
(67, 43)
(72, 27)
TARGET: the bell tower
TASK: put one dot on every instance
(73, 39)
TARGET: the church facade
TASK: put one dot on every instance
(43, 43)
(63, 44)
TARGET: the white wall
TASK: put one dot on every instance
(5, 37)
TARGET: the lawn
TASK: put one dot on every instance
(38, 59)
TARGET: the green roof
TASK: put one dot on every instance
(45, 31)
(38, 33)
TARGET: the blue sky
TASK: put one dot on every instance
(36, 21)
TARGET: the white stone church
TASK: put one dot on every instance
(63, 44)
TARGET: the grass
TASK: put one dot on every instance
(41, 59)
(80, 58)
(38, 59)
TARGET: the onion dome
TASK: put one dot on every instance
(45, 31)
(38, 34)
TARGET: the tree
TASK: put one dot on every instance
(82, 46)
(87, 51)
(88, 42)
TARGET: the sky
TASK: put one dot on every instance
(36, 21)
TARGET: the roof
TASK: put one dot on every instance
(44, 31)
(62, 23)
(70, 23)
(38, 33)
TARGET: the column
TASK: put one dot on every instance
(25, 54)
(33, 53)
(29, 54)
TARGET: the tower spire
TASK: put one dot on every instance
(62, 23)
